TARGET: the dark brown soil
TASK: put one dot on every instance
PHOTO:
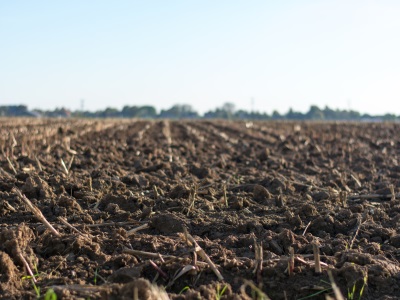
(235, 187)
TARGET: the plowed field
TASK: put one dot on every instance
(198, 209)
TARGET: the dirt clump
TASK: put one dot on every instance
(10, 281)
(168, 223)
(36, 187)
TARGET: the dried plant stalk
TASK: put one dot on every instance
(258, 261)
(11, 165)
(359, 222)
(161, 272)
(374, 196)
(391, 187)
(356, 180)
(146, 254)
(305, 229)
(14, 141)
(203, 255)
(317, 260)
(156, 195)
(343, 198)
(336, 290)
(291, 261)
(65, 222)
(90, 184)
(27, 267)
(134, 230)
(258, 251)
(36, 211)
(184, 270)
(70, 162)
(192, 198)
(225, 196)
(38, 163)
(64, 166)
(308, 263)
(109, 224)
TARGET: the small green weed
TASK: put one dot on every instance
(50, 295)
(95, 276)
(36, 275)
(33, 280)
(351, 294)
(37, 289)
(184, 290)
(220, 292)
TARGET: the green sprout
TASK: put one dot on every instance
(37, 289)
(220, 292)
(351, 294)
(50, 295)
(95, 276)
(184, 290)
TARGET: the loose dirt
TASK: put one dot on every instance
(126, 196)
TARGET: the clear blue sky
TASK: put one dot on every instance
(281, 53)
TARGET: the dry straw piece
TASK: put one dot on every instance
(291, 261)
(64, 166)
(134, 230)
(38, 163)
(336, 290)
(146, 254)
(317, 260)
(11, 165)
(65, 222)
(157, 256)
(305, 229)
(27, 267)
(36, 211)
(203, 255)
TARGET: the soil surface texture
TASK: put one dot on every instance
(140, 209)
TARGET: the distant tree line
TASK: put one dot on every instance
(15, 111)
(185, 111)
